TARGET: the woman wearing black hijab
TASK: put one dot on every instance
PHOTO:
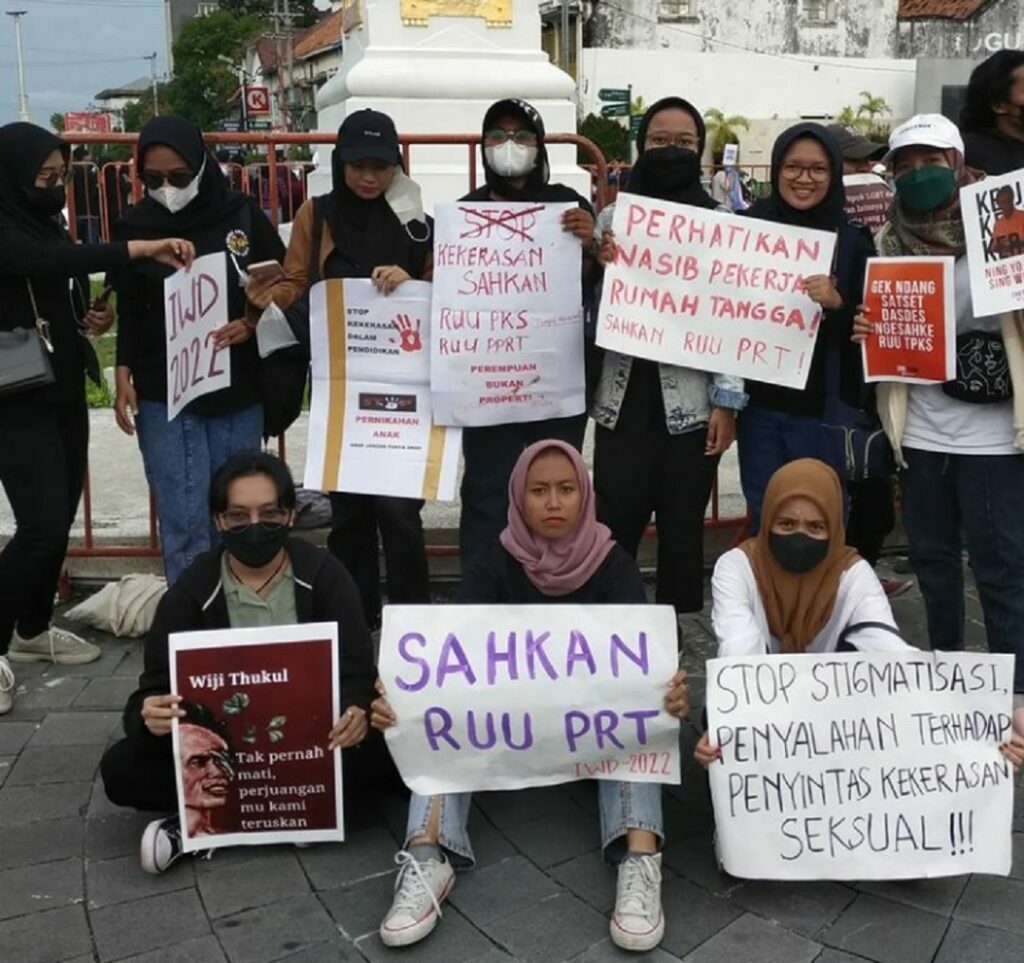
(44, 432)
(780, 424)
(187, 194)
(371, 225)
(516, 168)
(661, 429)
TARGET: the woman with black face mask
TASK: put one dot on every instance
(44, 430)
(662, 429)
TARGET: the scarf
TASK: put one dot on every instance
(799, 606)
(23, 148)
(827, 215)
(666, 172)
(214, 204)
(556, 566)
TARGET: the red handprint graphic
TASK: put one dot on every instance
(409, 333)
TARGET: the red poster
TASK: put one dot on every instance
(87, 122)
(868, 199)
(250, 755)
(910, 300)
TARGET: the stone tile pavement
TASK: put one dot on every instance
(71, 888)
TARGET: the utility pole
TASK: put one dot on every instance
(152, 73)
(23, 113)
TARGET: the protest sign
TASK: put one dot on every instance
(507, 338)
(250, 756)
(196, 305)
(510, 696)
(993, 213)
(730, 155)
(861, 766)
(712, 291)
(868, 199)
(910, 300)
(372, 428)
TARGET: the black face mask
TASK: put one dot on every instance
(664, 171)
(256, 545)
(798, 553)
(47, 201)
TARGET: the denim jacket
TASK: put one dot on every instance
(688, 395)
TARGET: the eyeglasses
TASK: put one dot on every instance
(154, 180)
(793, 172)
(238, 519)
(498, 136)
(684, 141)
(50, 178)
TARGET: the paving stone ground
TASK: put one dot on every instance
(71, 888)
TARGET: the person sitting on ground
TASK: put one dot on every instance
(258, 577)
(552, 551)
(797, 587)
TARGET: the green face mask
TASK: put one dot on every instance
(925, 189)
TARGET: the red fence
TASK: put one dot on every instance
(118, 186)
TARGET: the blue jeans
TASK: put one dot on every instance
(623, 806)
(766, 440)
(982, 497)
(180, 458)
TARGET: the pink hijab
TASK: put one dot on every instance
(556, 566)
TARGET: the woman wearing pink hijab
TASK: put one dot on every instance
(553, 550)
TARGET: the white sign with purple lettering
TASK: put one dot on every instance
(511, 696)
(862, 766)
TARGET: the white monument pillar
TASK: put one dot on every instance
(435, 66)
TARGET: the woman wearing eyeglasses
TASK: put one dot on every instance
(187, 194)
(44, 430)
(779, 424)
(516, 168)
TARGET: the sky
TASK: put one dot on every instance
(75, 48)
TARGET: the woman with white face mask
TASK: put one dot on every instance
(516, 169)
(187, 195)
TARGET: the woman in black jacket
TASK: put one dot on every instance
(44, 431)
(187, 194)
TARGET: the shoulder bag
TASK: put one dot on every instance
(25, 355)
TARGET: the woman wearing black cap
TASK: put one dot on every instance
(780, 424)
(516, 168)
(662, 429)
(371, 225)
(187, 194)
(44, 431)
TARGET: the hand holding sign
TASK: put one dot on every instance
(172, 252)
(387, 277)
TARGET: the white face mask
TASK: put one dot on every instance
(404, 198)
(511, 160)
(178, 198)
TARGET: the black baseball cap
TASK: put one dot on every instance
(853, 145)
(368, 134)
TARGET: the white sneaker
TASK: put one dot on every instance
(6, 687)
(638, 922)
(55, 645)
(420, 890)
(161, 844)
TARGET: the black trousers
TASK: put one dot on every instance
(638, 471)
(872, 516)
(353, 539)
(43, 452)
(490, 454)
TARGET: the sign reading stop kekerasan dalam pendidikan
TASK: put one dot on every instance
(712, 291)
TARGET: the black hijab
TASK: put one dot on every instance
(366, 233)
(214, 203)
(23, 148)
(828, 214)
(536, 187)
(670, 173)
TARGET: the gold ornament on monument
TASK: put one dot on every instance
(496, 13)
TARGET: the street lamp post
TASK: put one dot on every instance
(23, 113)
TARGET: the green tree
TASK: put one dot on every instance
(57, 122)
(305, 10)
(871, 110)
(722, 129)
(202, 84)
(609, 135)
(137, 112)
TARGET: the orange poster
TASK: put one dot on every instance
(910, 300)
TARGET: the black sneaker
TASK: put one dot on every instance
(161, 844)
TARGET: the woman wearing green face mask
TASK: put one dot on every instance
(963, 469)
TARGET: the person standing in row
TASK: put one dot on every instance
(44, 431)
(516, 168)
(661, 429)
(187, 194)
(371, 225)
(992, 119)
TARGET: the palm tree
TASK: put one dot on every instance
(722, 129)
(874, 108)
